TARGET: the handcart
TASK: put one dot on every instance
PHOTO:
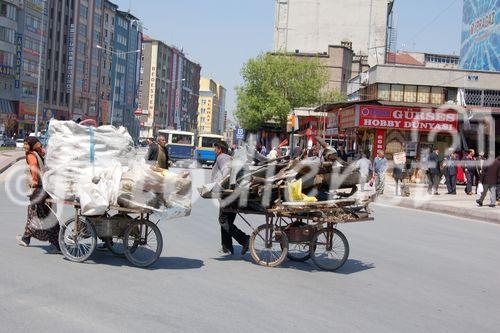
(300, 231)
(125, 232)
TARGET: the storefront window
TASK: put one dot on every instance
(437, 95)
(423, 95)
(397, 93)
(384, 91)
(410, 94)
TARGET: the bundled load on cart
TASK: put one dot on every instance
(100, 167)
(99, 171)
(303, 201)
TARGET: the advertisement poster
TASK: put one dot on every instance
(480, 49)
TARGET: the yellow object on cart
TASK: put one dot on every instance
(295, 192)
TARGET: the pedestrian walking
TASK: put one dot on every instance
(158, 153)
(364, 166)
(397, 174)
(490, 179)
(40, 224)
(220, 170)
(380, 166)
(470, 171)
(451, 172)
(433, 172)
(342, 154)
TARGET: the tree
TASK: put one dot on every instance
(276, 84)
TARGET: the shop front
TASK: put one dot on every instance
(369, 128)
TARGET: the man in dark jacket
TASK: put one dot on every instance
(220, 170)
(158, 152)
(490, 178)
(450, 173)
(434, 172)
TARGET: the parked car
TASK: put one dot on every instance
(19, 144)
(7, 142)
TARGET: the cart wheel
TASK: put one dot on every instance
(115, 246)
(329, 249)
(268, 246)
(77, 240)
(143, 243)
(298, 251)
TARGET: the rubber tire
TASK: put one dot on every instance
(130, 251)
(313, 248)
(109, 246)
(283, 245)
(62, 244)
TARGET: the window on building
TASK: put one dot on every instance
(33, 22)
(397, 93)
(423, 94)
(410, 94)
(437, 95)
(8, 11)
(82, 30)
(384, 91)
(83, 11)
(6, 59)
(7, 35)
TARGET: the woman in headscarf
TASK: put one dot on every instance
(43, 229)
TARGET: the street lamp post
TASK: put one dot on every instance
(40, 49)
(114, 80)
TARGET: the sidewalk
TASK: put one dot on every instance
(9, 157)
(460, 205)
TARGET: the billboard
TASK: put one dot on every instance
(480, 49)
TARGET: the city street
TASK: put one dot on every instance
(409, 271)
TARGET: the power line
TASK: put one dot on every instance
(432, 21)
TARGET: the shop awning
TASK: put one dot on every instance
(6, 106)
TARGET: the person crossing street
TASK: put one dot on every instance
(490, 178)
(221, 169)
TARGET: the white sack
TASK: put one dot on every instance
(76, 154)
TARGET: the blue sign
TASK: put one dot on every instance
(239, 133)
(480, 49)
(19, 62)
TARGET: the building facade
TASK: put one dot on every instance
(395, 107)
(168, 89)
(127, 47)
(10, 66)
(222, 105)
(107, 64)
(211, 109)
(310, 26)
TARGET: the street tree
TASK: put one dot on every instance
(274, 84)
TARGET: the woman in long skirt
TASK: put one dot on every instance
(43, 229)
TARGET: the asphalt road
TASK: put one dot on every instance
(409, 271)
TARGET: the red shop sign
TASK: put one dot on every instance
(420, 119)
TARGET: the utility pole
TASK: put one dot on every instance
(40, 49)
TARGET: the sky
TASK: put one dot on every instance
(222, 35)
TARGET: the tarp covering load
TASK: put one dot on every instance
(142, 186)
(100, 167)
(76, 154)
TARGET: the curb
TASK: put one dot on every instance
(5, 167)
(487, 214)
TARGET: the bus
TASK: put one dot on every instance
(205, 152)
(180, 145)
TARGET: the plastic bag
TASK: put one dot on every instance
(295, 192)
(480, 190)
(93, 199)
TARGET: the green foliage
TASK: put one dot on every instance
(276, 84)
